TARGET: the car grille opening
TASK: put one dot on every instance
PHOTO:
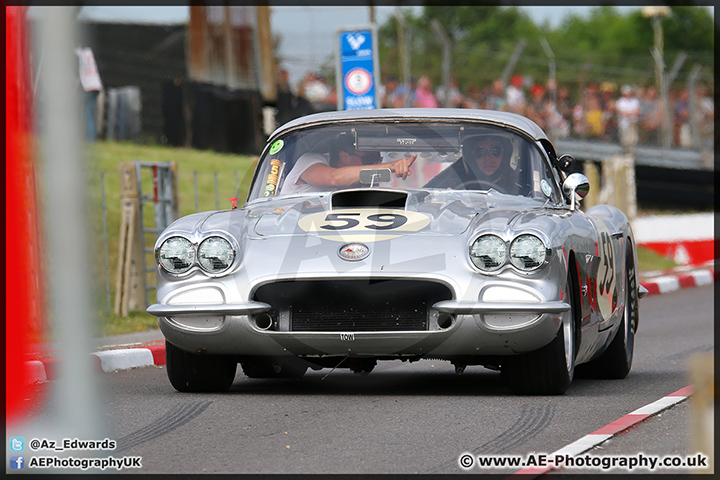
(383, 305)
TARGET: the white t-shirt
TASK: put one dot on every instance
(89, 76)
(515, 96)
(305, 161)
(628, 110)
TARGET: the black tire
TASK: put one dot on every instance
(549, 370)
(273, 367)
(189, 372)
(616, 361)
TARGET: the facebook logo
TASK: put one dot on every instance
(17, 462)
(17, 444)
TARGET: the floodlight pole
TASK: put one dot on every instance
(404, 57)
(446, 58)
(551, 67)
(656, 13)
(513, 60)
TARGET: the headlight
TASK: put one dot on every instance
(215, 254)
(527, 252)
(488, 253)
(176, 254)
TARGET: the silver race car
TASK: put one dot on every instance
(402, 235)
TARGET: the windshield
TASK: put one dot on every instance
(408, 156)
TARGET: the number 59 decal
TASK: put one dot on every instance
(606, 285)
(364, 224)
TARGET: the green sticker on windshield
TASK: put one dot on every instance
(276, 147)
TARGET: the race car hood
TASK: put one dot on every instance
(383, 213)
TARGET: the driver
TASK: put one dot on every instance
(488, 159)
(314, 172)
(485, 163)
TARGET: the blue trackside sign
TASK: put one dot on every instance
(357, 68)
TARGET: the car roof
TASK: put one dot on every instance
(494, 117)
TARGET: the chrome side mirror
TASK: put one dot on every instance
(575, 183)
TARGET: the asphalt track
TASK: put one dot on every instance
(406, 418)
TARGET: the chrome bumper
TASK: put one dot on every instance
(467, 308)
(250, 308)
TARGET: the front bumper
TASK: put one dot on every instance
(481, 328)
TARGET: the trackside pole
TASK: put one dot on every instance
(75, 401)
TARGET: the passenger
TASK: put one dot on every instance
(315, 172)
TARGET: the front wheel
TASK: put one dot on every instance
(549, 370)
(189, 372)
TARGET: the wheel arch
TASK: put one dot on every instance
(576, 299)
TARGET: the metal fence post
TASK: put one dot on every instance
(197, 207)
(217, 193)
(694, 107)
(507, 71)
(105, 241)
(446, 59)
(130, 286)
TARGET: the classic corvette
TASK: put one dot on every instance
(455, 235)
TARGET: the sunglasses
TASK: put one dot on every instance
(478, 152)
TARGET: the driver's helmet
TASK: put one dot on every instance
(510, 154)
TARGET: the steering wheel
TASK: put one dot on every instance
(479, 183)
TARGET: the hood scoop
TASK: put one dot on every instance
(369, 197)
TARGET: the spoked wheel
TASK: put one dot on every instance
(549, 370)
(616, 361)
(189, 372)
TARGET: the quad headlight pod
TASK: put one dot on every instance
(488, 252)
(177, 255)
(526, 253)
(215, 254)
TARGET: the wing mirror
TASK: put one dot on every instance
(373, 176)
(575, 183)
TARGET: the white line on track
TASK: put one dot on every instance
(610, 430)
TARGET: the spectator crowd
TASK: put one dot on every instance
(627, 114)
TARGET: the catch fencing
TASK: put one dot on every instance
(209, 191)
(152, 58)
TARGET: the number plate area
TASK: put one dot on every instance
(364, 224)
(382, 305)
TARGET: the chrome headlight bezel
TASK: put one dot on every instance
(202, 260)
(532, 246)
(163, 256)
(485, 244)
(508, 262)
(196, 240)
